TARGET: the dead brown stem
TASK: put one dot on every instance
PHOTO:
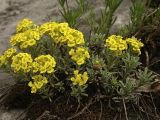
(82, 110)
(125, 110)
(100, 116)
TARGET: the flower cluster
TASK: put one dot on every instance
(135, 44)
(47, 27)
(74, 38)
(24, 25)
(59, 32)
(62, 33)
(79, 79)
(38, 82)
(26, 39)
(6, 55)
(28, 33)
(44, 64)
(117, 44)
(79, 55)
(17, 39)
(22, 62)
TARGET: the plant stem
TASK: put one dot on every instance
(125, 110)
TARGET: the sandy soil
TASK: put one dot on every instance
(12, 11)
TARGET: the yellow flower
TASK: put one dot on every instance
(6, 56)
(79, 55)
(26, 39)
(43, 64)
(38, 82)
(27, 43)
(18, 38)
(74, 37)
(59, 32)
(24, 25)
(62, 33)
(135, 44)
(79, 79)
(71, 43)
(116, 44)
(47, 27)
(22, 62)
(8, 53)
(32, 34)
(63, 27)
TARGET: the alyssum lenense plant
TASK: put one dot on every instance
(47, 58)
(115, 67)
(54, 58)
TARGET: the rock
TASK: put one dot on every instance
(12, 114)
(123, 17)
(3, 5)
(5, 116)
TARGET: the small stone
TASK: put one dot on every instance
(5, 116)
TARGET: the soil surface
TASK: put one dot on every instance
(39, 11)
